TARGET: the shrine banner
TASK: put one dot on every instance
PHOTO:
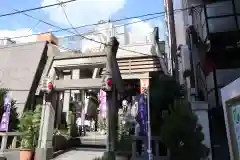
(6, 114)
(102, 104)
(142, 114)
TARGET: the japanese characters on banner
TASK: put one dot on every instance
(142, 114)
(5, 117)
(144, 84)
(102, 105)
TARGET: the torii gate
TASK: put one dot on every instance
(130, 67)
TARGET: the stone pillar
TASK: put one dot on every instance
(201, 110)
(59, 109)
(44, 151)
(75, 75)
(66, 99)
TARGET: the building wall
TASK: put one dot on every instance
(180, 29)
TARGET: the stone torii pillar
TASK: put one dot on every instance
(113, 85)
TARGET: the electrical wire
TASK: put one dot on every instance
(94, 24)
(112, 21)
(65, 14)
(36, 8)
(67, 29)
(39, 20)
(34, 26)
(95, 40)
(117, 26)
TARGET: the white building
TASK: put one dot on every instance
(209, 57)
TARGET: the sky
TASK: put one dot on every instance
(80, 12)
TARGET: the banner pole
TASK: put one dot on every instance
(149, 126)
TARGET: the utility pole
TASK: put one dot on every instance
(173, 41)
(112, 85)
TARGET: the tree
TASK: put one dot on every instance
(163, 92)
(182, 134)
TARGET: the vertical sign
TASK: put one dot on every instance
(236, 123)
(102, 106)
(5, 117)
(144, 84)
(142, 114)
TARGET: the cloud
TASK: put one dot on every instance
(142, 31)
(18, 33)
(82, 11)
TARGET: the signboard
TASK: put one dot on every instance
(142, 114)
(5, 117)
(235, 111)
(144, 84)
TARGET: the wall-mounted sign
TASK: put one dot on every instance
(235, 118)
(235, 111)
(144, 84)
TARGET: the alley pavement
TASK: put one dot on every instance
(81, 153)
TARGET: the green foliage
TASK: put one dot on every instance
(26, 127)
(182, 134)
(163, 92)
(30, 125)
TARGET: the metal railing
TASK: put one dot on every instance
(13, 146)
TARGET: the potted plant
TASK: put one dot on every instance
(29, 126)
(28, 137)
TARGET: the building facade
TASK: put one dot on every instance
(208, 51)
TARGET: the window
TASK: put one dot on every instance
(237, 5)
(219, 9)
(222, 24)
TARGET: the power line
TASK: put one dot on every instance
(78, 35)
(94, 40)
(67, 29)
(117, 26)
(36, 8)
(39, 20)
(65, 14)
(93, 24)
(76, 27)
(112, 21)
(34, 26)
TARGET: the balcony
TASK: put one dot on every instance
(220, 20)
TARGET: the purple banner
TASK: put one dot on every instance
(102, 105)
(5, 117)
(142, 113)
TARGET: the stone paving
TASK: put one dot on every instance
(92, 138)
(81, 153)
